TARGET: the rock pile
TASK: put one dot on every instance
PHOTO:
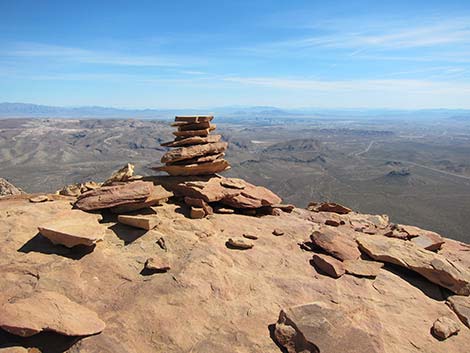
(196, 152)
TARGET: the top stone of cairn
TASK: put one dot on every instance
(197, 152)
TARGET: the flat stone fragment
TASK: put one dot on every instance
(194, 119)
(17, 350)
(321, 327)
(233, 183)
(329, 265)
(461, 306)
(158, 195)
(288, 208)
(197, 213)
(239, 243)
(183, 153)
(432, 266)
(193, 140)
(195, 169)
(123, 174)
(329, 207)
(361, 268)
(48, 311)
(39, 198)
(157, 264)
(277, 232)
(115, 195)
(336, 244)
(139, 221)
(250, 236)
(224, 210)
(196, 126)
(73, 228)
(200, 203)
(444, 327)
(203, 132)
(199, 160)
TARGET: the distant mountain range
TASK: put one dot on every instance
(25, 110)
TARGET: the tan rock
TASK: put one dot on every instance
(233, 183)
(158, 196)
(199, 160)
(434, 267)
(288, 208)
(361, 268)
(197, 126)
(15, 350)
(71, 190)
(200, 203)
(184, 153)
(461, 306)
(328, 207)
(158, 264)
(193, 140)
(224, 210)
(328, 328)
(444, 327)
(195, 169)
(7, 188)
(239, 243)
(72, 228)
(48, 311)
(329, 265)
(203, 132)
(278, 232)
(197, 213)
(335, 243)
(123, 174)
(39, 198)
(250, 236)
(146, 222)
(91, 185)
(193, 119)
(110, 196)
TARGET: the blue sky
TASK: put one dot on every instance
(196, 54)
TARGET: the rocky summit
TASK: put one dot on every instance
(205, 263)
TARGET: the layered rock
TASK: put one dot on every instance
(7, 188)
(196, 151)
(48, 311)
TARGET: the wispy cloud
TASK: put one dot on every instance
(88, 56)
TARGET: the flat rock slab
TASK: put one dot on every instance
(209, 168)
(239, 243)
(361, 268)
(192, 140)
(158, 195)
(183, 153)
(203, 132)
(139, 221)
(193, 119)
(329, 265)
(461, 306)
(110, 196)
(339, 245)
(434, 267)
(325, 328)
(48, 311)
(158, 264)
(73, 228)
(329, 207)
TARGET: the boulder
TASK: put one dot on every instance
(461, 306)
(187, 153)
(48, 311)
(335, 243)
(329, 265)
(192, 140)
(197, 213)
(72, 228)
(146, 222)
(157, 264)
(444, 327)
(434, 267)
(115, 195)
(361, 268)
(328, 328)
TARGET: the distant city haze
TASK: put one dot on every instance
(195, 55)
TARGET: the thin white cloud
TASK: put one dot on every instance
(86, 56)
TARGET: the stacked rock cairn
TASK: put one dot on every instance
(196, 152)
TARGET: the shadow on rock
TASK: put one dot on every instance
(126, 233)
(272, 335)
(46, 342)
(43, 245)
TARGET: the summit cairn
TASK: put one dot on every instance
(196, 152)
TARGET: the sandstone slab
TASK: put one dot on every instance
(73, 228)
(325, 328)
(193, 119)
(335, 243)
(239, 243)
(216, 166)
(461, 306)
(361, 268)
(329, 207)
(434, 267)
(48, 311)
(192, 140)
(329, 265)
(139, 221)
(110, 196)
(203, 132)
(184, 153)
